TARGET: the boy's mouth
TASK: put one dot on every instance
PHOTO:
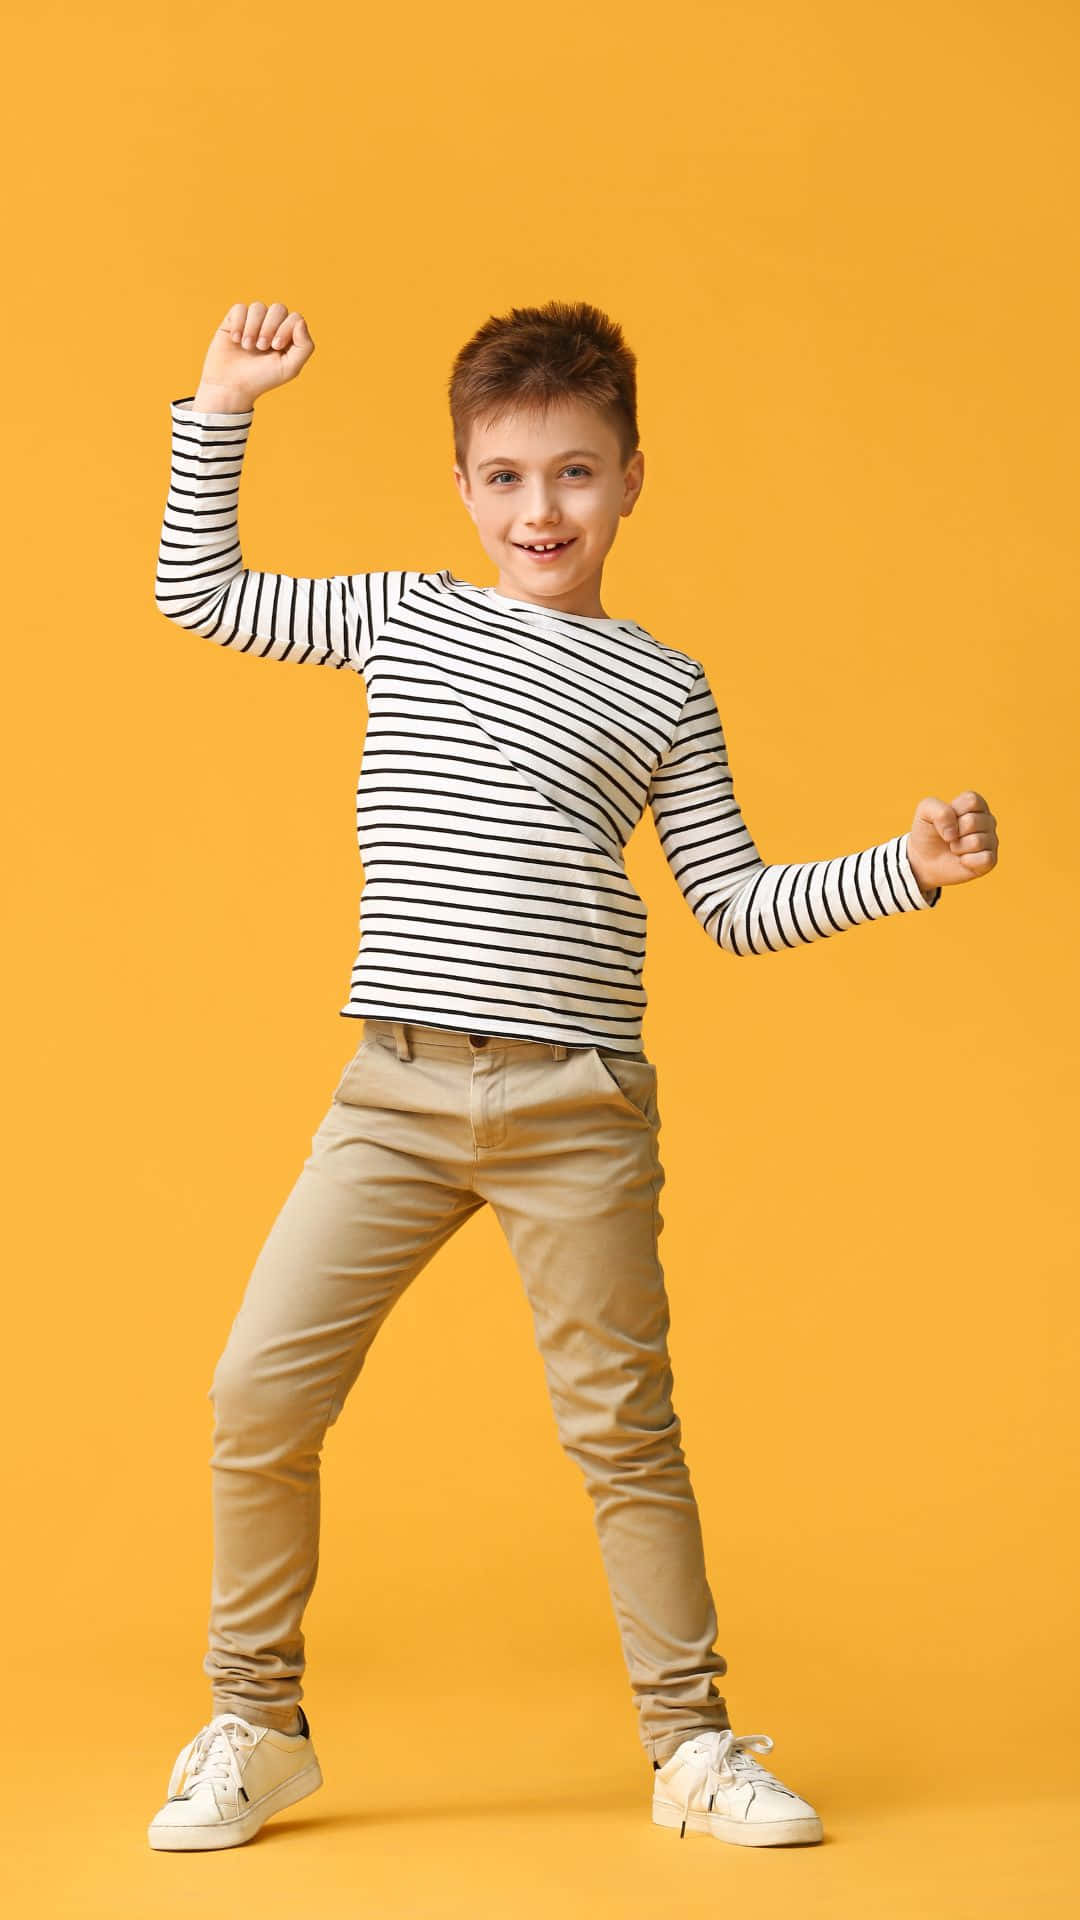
(545, 552)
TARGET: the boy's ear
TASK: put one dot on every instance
(463, 489)
(633, 481)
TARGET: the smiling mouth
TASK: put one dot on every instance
(544, 550)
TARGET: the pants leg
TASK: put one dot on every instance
(381, 1190)
(574, 1177)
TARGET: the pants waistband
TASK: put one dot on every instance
(410, 1037)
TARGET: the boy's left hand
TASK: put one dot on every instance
(952, 842)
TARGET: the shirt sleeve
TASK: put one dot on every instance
(202, 583)
(745, 905)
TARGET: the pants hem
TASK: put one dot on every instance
(662, 1748)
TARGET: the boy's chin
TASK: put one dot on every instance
(556, 576)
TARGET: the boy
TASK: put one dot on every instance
(515, 735)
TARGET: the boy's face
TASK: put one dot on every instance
(533, 479)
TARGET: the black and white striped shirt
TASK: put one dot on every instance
(510, 752)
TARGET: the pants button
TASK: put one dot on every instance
(479, 1039)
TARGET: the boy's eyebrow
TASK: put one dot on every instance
(502, 461)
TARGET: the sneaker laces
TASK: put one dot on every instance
(213, 1757)
(725, 1761)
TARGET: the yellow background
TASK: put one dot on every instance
(841, 241)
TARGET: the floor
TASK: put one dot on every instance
(531, 1814)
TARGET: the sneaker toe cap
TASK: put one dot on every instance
(768, 1802)
(194, 1810)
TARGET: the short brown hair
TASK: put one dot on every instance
(533, 356)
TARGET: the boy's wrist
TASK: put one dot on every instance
(211, 399)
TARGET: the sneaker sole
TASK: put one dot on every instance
(242, 1827)
(743, 1833)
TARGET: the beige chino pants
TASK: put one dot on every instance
(424, 1126)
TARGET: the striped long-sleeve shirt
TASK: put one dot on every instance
(510, 752)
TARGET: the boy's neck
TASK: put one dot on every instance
(584, 599)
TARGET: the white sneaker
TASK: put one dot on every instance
(711, 1784)
(231, 1778)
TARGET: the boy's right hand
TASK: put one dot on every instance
(255, 348)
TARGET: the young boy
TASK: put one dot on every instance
(515, 735)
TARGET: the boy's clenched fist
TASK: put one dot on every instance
(255, 348)
(953, 842)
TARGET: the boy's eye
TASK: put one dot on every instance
(508, 473)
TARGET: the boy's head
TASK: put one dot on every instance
(543, 402)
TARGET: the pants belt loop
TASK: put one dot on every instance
(404, 1051)
(558, 1049)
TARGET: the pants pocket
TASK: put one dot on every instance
(353, 1072)
(631, 1081)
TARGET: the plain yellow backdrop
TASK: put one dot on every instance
(839, 240)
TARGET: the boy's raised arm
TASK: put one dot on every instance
(202, 583)
(745, 905)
